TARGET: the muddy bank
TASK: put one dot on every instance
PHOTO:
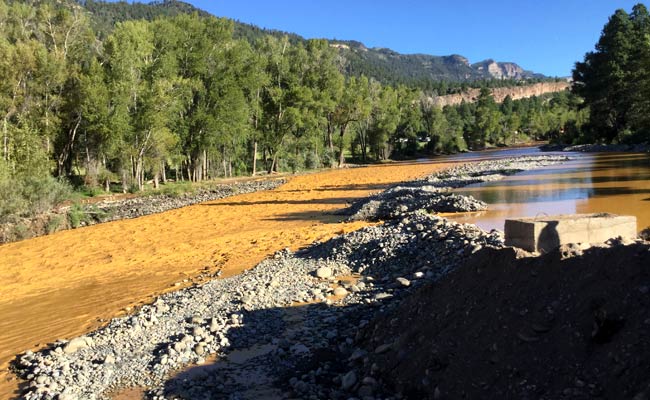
(569, 324)
(114, 210)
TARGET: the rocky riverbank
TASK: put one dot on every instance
(114, 210)
(432, 193)
(599, 148)
(285, 328)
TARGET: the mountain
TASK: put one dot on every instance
(504, 70)
(390, 66)
(385, 65)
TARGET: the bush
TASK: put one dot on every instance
(54, 224)
(24, 195)
(77, 215)
(20, 232)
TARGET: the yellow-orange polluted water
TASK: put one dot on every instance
(591, 183)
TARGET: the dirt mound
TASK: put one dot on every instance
(500, 327)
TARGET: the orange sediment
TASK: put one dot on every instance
(66, 284)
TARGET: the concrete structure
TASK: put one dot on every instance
(543, 234)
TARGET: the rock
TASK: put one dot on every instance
(404, 282)
(76, 344)
(324, 272)
(199, 349)
(348, 380)
(340, 291)
(214, 325)
(383, 348)
(383, 296)
(365, 391)
(299, 348)
(109, 359)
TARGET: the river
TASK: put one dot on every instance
(617, 183)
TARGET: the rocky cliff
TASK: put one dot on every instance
(501, 70)
(516, 92)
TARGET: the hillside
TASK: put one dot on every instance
(385, 65)
(390, 66)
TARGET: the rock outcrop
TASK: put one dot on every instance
(501, 70)
(499, 94)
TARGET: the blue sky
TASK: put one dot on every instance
(546, 36)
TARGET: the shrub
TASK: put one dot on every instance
(77, 215)
(24, 195)
(54, 224)
(21, 231)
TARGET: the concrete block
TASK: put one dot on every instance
(543, 234)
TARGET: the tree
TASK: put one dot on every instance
(613, 79)
(486, 121)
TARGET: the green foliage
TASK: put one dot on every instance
(25, 195)
(20, 231)
(79, 215)
(614, 80)
(54, 224)
(141, 92)
(76, 215)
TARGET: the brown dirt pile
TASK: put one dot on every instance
(66, 284)
(504, 327)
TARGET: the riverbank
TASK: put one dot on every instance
(280, 308)
(598, 148)
(106, 210)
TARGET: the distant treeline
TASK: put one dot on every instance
(181, 98)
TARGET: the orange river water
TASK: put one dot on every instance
(63, 285)
(590, 183)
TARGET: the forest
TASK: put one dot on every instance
(183, 98)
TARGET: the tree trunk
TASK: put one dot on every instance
(223, 161)
(164, 173)
(5, 140)
(205, 165)
(330, 141)
(254, 157)
(274, 163)
(107, 185)
(156, 178)
(63, 160)
(139, 173)
(341, 155)
(125, 187)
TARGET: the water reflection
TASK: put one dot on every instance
(616, 183)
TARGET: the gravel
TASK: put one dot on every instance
(267, 347)
(433, 192)
(146, 205)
